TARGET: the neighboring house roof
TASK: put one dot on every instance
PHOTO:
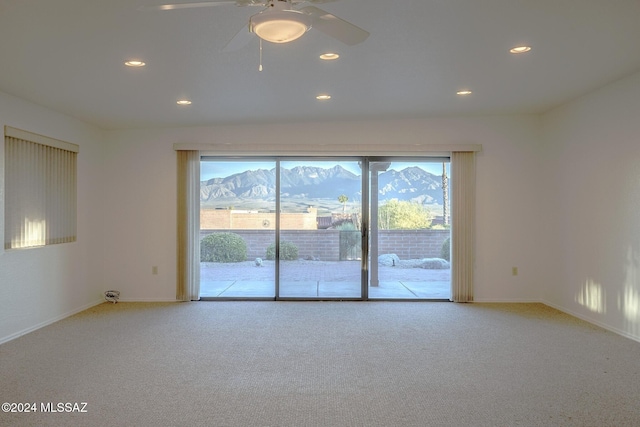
(324, 222)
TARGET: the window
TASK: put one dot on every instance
(40, 190)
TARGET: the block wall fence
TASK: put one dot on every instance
(325, 244)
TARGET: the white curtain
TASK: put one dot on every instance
(188, 288)
(40, 190)
(463, 202)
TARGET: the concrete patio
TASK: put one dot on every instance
(319, 279)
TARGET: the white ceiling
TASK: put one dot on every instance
(68, 55)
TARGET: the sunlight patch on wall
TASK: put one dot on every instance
(33, 233)
(629, 304)
(592, 297)
(629, 299)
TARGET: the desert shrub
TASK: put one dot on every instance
(223, 247)
(403, 215)
(445, 251)
(288, 251)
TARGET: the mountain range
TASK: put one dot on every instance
(411, 183)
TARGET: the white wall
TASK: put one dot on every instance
(593, 151)
(140, 194)
(41, 285)
(140, 215)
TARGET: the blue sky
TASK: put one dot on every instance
(221, 169)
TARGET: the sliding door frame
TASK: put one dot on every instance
(365, 226)
(364, 162)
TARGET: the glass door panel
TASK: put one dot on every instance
(409, 230)
(320, 253)
(237, 228)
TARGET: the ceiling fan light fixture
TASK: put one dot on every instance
(280, 26)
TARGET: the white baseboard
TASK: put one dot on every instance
(147, 300)
(514, 301)
(595, 322)
(50, 321)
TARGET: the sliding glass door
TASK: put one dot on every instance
(409, 229)
(320, 240)
(324, 228)
(237, 228)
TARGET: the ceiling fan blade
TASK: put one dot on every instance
(176, 6)
(335, 27)
(240, 40)
(186, 5)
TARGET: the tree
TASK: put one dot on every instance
(343, 199)
(403, 215)
(445, 195)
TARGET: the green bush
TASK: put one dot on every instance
(445, 252)
(223, 247)
(403, 215)
(288, 251)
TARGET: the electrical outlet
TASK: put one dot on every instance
(154, 269)
(514, 271)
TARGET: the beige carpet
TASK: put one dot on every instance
(323, 364)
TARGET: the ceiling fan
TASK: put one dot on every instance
(280, 22)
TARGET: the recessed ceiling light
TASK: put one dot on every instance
(134, 63)
(184, 102)
(463, 92)
(520, 49)
(323, 97)
(329, 56)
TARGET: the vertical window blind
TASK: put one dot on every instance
(40, 190)
(463, 227)
(188, 283)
